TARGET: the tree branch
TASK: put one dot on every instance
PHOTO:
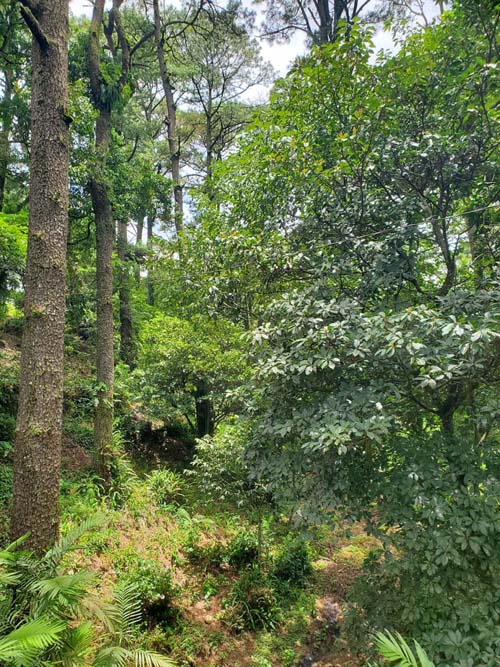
(34, 26)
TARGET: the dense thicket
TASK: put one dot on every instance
(295, 302)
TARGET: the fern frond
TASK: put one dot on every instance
(126, 608)
(9, 578)
(95, 607)
(111, 656)
(69, 588)
(150, 659)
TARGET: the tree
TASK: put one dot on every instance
(173, 142)
(38, 431)
(353, 198)
(318, 19)
(110, 87)
(188, 367)
(223, 64)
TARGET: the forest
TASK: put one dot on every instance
(249, 333)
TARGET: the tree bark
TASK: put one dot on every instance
(4, 135)
(173, 143)
(138, 242)
(37, 451)
(151, 293)
(105, 237)
(205, 423)
(127, 347)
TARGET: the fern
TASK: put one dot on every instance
(396, 651)
(126, 609)
(45, 615)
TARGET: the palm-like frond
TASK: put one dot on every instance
(149, 659)
(41, 610)
(396, 651)
(24, 643)
(70, 588)
(116, 656)
(93, 606)
(69, 542)
(76, 646)
(9, 578)
(111, 656)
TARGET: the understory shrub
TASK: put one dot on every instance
(293, 563)
(243, 550)
(166, 486)
(252, 603)
(438, 576)
(155, 589)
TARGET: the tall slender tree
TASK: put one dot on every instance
(37, 449)
(107, 91)
(173, 142)
(103, 421)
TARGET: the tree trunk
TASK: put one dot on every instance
(173, 144)
(4, 136)
(151, 293)
(105, 236)
(138, 242)
(37, 451)
(127, 348)
(204, 411)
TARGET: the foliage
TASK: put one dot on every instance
(155, 589)
(293, 563)
(12, 254)
(122, 473)
(9, 388)
(46, 614)
(438, 574)
(166, 486)
(359, 208)
(243, 550)
(252, 602)
(182, 362)
(222, 471)
(395, 651)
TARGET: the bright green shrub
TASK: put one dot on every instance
(242, 550)
(155, 590)
(293, 563)
(252, 603)
(166, 486)
(12, 253)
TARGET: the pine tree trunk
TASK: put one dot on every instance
(127, 348)
(105, 237)
(37, 450)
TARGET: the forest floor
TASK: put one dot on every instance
(178, 556)
(190, 541)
